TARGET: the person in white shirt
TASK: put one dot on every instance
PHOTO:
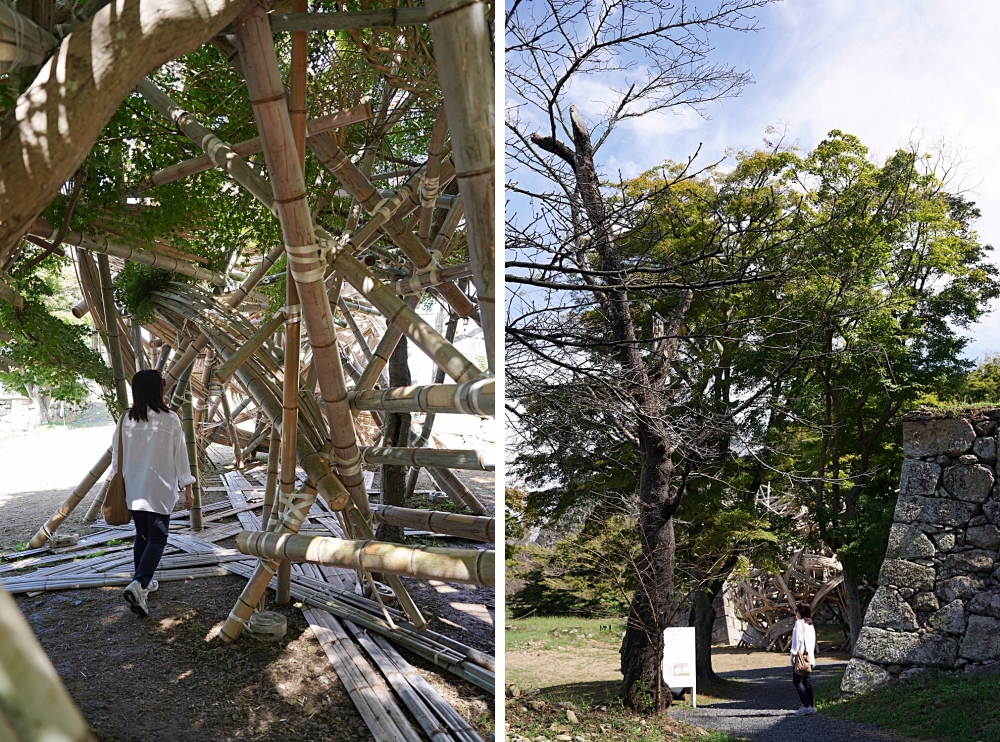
(155, 464)
(803, 642)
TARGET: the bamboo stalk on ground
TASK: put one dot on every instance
(34, 704)
(466, 566)
(453, 524)
(86, 484)
(471, 398)
(260, 64)
(111, 322)
(461, 37)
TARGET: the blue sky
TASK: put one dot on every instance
(889, 72)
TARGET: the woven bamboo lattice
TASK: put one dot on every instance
(766, 600)
(306, 384)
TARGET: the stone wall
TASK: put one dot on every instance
(938, 599)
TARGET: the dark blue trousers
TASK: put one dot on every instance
(150, 539)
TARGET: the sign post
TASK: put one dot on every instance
(679, 660)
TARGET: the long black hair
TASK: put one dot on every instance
(805, 612)
(147, 394)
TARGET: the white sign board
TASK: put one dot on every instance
(678, 659)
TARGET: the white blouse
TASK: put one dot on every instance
(803, 637)
(156, 461)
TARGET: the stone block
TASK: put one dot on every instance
(970, 483)
(945, 541)
(950, 619)
(888, 610)
(986, 604)
(934, 510)
(908, 542)
(962, 587)
(985, 448)
(982, 639)
(889, 648)
(985, 537)
(975, 560)
(861, 677)
(900, 573)
(925, 602)
(991, 510)
(985, 426)
(952, 437)
(914, 673)
(918, 477)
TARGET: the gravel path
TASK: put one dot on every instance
(765, 712)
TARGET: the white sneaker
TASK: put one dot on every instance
(152, 587)
(801, 712)
(136, 598)
(811, 710)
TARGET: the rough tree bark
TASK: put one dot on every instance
(703, 620)
(651, 607)
(395, 432)
(56, 121)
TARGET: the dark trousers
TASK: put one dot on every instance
(150, 539)
(803, 684)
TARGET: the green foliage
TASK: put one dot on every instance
(134, 285)
(44, 351)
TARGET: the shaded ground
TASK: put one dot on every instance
(167, 677)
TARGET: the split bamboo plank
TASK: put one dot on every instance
(468, 566)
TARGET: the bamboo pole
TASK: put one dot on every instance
(252, 146)
(231, 426)
(260, 64)
(161, 361)
(397, 312)
(34, 704)
(471, 398)
(452, 524)
(273, 451)
(380, 356)
(23, 43)
(220, 152)
(111, 322)
(192, 452)
(80, 308)
(232, 302)
(466, 566)
(455, 489)
(7, 293)
(461, 35)
(430, 278)
(101, 245)
(86, 484)
(266, 330)
(348, 20)
(470, 459)
(95, 507)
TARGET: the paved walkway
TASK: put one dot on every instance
(765, 712)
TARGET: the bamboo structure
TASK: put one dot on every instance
(308, 377)
(766, 600)
(472, 567)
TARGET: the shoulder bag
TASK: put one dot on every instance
(800, 660)
(115, 507)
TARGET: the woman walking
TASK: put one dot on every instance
(803, 657)
(155, 463)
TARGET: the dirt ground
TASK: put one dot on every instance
(168, 677)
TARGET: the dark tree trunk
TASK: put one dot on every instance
(395, 432)
(703, 617)
(852, 601)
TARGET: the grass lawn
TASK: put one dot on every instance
(936, 707)
(561, 633)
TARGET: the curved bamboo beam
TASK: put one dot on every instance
(471, 398)
(437, 521)
(114, 340)
(23, 43)
(466, 566)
